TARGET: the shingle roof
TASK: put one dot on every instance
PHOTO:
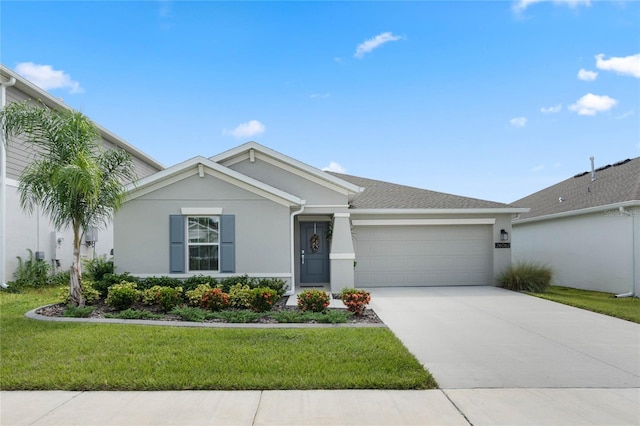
(384, 195)
(615, 183)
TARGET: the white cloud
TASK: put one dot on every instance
(248, 129)
(521, 5)
(591, 104)
(375, 42)
(334, 167)
(625, 115)
(320, 95)
(518, 122)
(587, 75)
(622, 65)
(47, 78)
(551, 109)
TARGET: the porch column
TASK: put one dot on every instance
(342, 253)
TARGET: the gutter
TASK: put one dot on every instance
(596, 209)
(292, 291)
(3, 188)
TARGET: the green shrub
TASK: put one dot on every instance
(76, 312)
(110, 279)
(162, 281)
(122, 296)
(98, 267)
(241, 317)
(263, 299)
(355, 300)
(89, 294)
(194, 297)
(30, 273)
(61, 278)
(226, 283)
(313, 300)
(214, 300)
(332, 316)
(164, 297)
(194, 282)
(526, 276)
(280, 286)
(134, 314)
(189, 313)
(240, 296)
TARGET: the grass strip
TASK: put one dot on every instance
(627, 308)
(84, 356)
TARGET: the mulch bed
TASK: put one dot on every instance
(57, 310)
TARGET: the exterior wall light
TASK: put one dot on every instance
(504, 235)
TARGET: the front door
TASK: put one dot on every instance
(314, 253)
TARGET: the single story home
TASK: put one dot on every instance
(252, 210)
(587, 228)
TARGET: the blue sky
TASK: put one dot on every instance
(493, 100)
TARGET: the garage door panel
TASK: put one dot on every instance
(423, 255)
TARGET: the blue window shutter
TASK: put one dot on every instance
(228, 243)
(176, 244)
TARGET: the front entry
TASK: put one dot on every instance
(314, 253)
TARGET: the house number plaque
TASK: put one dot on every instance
(503, 245)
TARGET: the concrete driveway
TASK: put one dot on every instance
(487, 337)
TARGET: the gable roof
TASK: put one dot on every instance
(385, 195)
(200, 165)
(241, 152)
(613, 184)
(52, 102)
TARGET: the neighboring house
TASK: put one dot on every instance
(587, 228)
(22, 231)
(252, 210)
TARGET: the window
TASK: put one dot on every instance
(203, 243)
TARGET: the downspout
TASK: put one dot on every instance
(3, 182)
(292, 290)
(633, 254)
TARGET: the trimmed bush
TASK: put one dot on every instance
(89, 294)
(526, 276)
(122, 296)
(194, 297)
(240, 296)
(214, 300)
(189, 313)
(226, 283)
(162, 281)
(134, 314)
(280, 286)
(313, 300)
(75, 312)
(194, 282)
(164, 297)
(263, 299)
(111, 279)
(99, 267)
(355, 300)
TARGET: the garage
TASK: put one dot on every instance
(422, 255)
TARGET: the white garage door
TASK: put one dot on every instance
(423, 255)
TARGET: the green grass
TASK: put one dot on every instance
(627, 308)
(85, 356)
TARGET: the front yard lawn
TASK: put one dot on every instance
(81, 356)
(627, 308)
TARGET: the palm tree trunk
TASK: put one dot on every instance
(76, 274)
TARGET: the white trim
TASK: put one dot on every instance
(12, 182)
(423, 222)
(498, 210)
(342, 256)
(347, 215)
(188, 245)
(596, 209)
(201, 211)
(217, 275)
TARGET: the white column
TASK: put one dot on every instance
(342, 253)
(3, 183)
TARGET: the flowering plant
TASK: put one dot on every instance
(263, 299)
(313, 300)
(355, 300)
(214, 300)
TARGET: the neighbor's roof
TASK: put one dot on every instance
(384, 195)
(614, 183)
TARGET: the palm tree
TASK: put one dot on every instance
(75, 182)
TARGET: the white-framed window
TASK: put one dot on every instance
(203, 243)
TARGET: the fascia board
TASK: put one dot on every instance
(596, 209)
(189, 167)
(506, 210)
(285, 162)
(52, 102)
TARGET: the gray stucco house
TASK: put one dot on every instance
(587, 228)
(252, 210)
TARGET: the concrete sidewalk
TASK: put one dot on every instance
(324, 407)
